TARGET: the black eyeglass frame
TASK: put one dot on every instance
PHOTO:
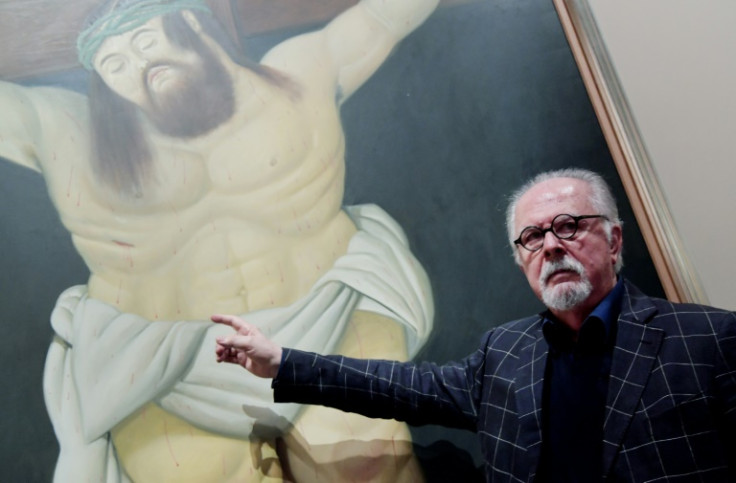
(543, 231)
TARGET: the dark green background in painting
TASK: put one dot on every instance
(477, 100)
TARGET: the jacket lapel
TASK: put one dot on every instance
(635, 353)
(529, 384)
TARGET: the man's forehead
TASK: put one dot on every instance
(556, 189)
(549, 198)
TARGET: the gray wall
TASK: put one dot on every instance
(676, 65)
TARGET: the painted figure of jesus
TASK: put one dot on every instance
(194, 180)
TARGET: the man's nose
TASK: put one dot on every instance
(552, 245)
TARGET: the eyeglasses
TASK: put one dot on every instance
(563, 226)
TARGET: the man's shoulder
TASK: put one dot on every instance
(663, 310)
(693, 312)
(527, 328)
(523, 323)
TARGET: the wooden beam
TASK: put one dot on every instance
(256, 17)
(38, 37)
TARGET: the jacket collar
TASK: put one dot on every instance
(637, 346)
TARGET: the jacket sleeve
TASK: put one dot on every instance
(418, 394)
(725, 379)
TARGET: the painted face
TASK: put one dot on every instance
(572, 273)
(184, 92)
(142, 65)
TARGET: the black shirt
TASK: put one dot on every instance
(574, 394)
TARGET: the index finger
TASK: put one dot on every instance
(233, 321)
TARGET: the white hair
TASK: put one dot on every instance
(601, 198)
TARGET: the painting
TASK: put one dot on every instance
(363, 213)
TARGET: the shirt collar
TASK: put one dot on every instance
(598, 329)
(609, 308)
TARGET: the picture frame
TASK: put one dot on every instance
(629, 152)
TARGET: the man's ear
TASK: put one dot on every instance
(191, 20)
(616, 243)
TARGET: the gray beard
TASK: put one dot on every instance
(567, 295)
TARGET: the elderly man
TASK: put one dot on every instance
(193, 178)
(607, 384)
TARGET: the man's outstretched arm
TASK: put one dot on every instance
(416, 393)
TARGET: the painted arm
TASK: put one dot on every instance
(38, 121)
(350, 48)
(361, 38)
(19, 126)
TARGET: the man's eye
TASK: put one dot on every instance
(566, 226)
(147, 42)
(114, 66)
(532, 235)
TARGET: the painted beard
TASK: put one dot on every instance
(565, 295)
(203, 99)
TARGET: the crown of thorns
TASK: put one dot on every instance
(125, 15)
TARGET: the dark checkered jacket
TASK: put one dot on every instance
(670, 414)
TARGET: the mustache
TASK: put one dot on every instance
(145, 73)
(160, 63)
(565, 263)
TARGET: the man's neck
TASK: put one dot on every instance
(576, 316)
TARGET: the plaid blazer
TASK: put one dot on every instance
(670, 412)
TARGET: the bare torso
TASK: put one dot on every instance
(246, 219)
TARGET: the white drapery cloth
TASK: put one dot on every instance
(103, 364)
